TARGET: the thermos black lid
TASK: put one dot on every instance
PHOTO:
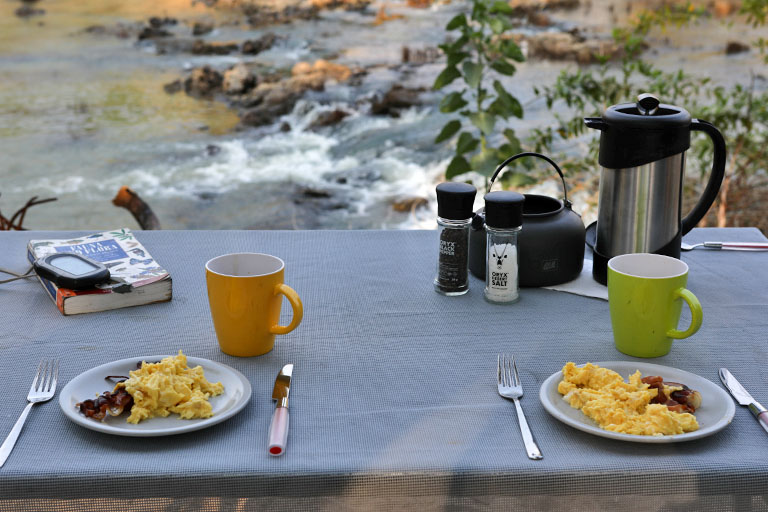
(504, 209)
(455, 200)
(639, 133)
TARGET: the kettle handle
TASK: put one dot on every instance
(511, 159)
(715, 178)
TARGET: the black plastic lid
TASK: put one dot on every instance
(455, 200)
(504, 209)
(635, 134)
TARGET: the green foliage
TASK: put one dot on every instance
(480, 51)
(742, 115)
(756, 11)
(739, 112)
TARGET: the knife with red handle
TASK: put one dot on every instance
(278, 428)
(744, 398)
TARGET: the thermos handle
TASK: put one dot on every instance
(715, 178)
(511, 159)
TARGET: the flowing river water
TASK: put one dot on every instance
(83, 113)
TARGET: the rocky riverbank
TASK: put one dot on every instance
(322, 108)
(261, 94)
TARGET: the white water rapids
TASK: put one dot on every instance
(81, 115)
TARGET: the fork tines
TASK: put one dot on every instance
(506, 375)
(47, 375)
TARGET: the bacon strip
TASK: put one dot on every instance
(682, 400)
(107, 403)
(114, 403)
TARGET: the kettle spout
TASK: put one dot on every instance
(595, 122)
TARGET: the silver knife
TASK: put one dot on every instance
(744, 398)
(278, 429)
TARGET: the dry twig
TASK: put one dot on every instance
(17, 219)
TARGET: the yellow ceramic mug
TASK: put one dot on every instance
(245, 294)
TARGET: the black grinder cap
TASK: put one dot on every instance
(504, 209)
(635, 134)
(455, 200)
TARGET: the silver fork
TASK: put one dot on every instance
(743, 246)
(511, 387)
(43, 388)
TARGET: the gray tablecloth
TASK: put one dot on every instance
(394, 403)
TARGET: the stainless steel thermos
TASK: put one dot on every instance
(642, 160)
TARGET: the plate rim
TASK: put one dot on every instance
(98, 426)
(591, 428)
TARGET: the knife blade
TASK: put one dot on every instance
(278, 428)
(743, 397)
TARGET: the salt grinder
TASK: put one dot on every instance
(503, 222)
(454, 217)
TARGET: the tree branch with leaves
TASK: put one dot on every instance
(482, 52)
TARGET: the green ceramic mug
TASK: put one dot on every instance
(644, 292)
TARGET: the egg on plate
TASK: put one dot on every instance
(620, 406)
(170, 386)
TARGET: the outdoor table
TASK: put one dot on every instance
(394, 402)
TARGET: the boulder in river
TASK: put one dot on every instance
(419, 4)
(567, 46)
(348, 5)
(256, 46)
(315, 193)
(27, 11)
(203, 82)
(733, 47)
(396, 99)
(158, 22)
(201, 47)
(383, 15)
(272, 99)
(539, 19)
(276, 104)
(318, 199)
(200, 28)
(419, 56)
(535, 5)
(237, 80)
(156, 28)
(328, 118)
(153, 33)
(263, 15)
(120, 30)
(264, 98)
(173, 45)
(322, 69)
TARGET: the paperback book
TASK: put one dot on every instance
(135, 277)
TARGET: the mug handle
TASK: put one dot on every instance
(298, 309)
(696, 314)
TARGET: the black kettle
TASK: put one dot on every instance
(551, 242)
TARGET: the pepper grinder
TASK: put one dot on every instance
(454, 217)
(503, 222)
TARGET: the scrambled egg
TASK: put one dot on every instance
(159, 389)
(618, 406)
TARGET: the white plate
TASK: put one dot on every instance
(716, 411)
(89, 384)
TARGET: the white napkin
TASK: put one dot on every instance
(583, 285)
